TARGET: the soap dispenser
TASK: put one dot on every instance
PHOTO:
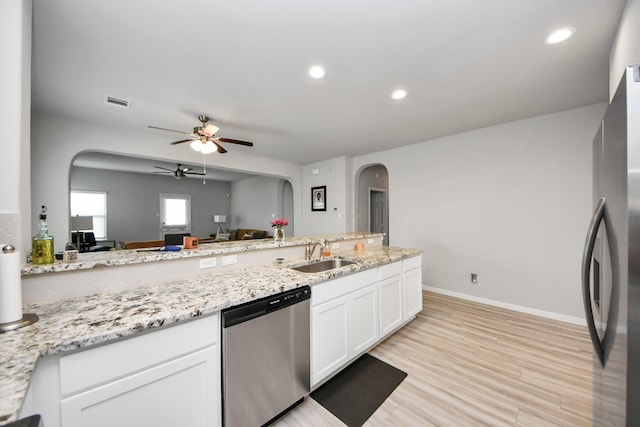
(42, 250)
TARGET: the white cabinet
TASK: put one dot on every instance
(329, 338)
(344, 322)
(391, 299)
(179, 392)
(363, 319)
(349, 315)
(412, 286)
(166, 377)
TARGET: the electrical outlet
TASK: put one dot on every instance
(474, 278)
(208, 262)
(230, 259)
(335, 246)
(370, 241)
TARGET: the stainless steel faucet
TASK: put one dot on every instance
(311, 247)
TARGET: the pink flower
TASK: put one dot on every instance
(279, 222)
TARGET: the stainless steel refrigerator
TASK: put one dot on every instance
(611, 260)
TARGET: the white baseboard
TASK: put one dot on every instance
(521, 309)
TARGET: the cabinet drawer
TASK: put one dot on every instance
(326, 291)
(411, 263)
(388, 270)
(94, 366)
(176, 393)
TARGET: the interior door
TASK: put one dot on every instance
(378, 212)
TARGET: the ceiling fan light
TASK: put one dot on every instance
(210, 130)
(208, 147)
(196, 145)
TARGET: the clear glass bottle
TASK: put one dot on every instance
(42, 251)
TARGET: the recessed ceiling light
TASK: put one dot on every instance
(317, 72)
(559, 35)
(399, 94)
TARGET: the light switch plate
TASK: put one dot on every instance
(370, 241)
(230, 259)
(208, 262)
(335, 246)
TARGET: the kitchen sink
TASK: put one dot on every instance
(325, 265)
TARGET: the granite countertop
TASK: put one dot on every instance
(89, 260)
(84, 321)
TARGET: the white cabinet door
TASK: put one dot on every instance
(179, 392)
(390, 304)
(166, 377)
(329, 338)
(344, 322)
(412, 293)
(363, 319)
(412, 283)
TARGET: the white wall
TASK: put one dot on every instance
(57, 140)
(511, 203)
(334, 174)
(15, 113)
(626, 47)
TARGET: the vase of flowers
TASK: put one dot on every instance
(279, 224)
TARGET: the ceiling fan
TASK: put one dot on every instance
(203, 137)
(180, 172)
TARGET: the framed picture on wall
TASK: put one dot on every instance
(319, 198)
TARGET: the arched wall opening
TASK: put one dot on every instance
(372, 200)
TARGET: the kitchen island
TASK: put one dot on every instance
(88, 320)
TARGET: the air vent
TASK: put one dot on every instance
(118, 102)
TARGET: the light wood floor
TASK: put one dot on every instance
(475, 365)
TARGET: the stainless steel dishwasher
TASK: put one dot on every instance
(265, 358)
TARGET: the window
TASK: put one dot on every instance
(91, 203)
(175, 212)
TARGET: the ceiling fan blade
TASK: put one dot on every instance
(182, 140)
(164, 172)
(221, 149)
(236, 141)
(169, 130)
(194, 173)
(210, 130)
(163, 168)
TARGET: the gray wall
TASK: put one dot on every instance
(254, 203)
(133, 201)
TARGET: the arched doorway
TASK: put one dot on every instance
(373, 201)
(285, 202)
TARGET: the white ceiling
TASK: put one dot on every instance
(466, 64)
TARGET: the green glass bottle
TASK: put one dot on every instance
(42, 251)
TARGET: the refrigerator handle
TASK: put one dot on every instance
(598, 216)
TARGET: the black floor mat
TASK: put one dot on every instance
(355, 393)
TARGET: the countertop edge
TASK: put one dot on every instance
(88, 261)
